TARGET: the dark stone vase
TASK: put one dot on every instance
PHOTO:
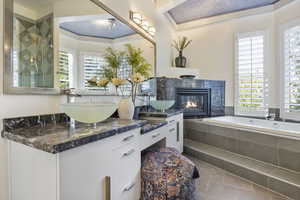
(180, 61)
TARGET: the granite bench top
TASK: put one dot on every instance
(56, 138)
(168, 113)
(150, 126)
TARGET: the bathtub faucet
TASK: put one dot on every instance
(270, 116)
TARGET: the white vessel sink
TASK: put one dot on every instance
(89, 112)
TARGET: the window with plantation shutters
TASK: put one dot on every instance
(93, 66)
(65, 69)
(250, 69)
(291, 73)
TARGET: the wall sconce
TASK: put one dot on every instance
(136, 17)
(139, 20)
(152, 30)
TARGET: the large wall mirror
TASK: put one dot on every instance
(54, 45)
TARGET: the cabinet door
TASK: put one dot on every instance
(83, 171)
(172, 136)
(179, 135)
(125, 180)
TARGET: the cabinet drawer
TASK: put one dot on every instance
(174, 118)
(172, 128)
(126, 172)
(153, 137)
(126, 138)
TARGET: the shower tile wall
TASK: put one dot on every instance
(33, 52)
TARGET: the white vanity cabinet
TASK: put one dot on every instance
(108, 169)
(79, 173)
(175, 132)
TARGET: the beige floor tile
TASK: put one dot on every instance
(217, 184)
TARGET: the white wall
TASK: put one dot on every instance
(13, 106)
(212, 49)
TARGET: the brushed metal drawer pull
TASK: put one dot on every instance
(155, 136)
(171, 130)
(128, 138)
(129, 153)
(107, 188)
(127, 189)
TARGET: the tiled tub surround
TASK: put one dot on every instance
(268, 159)
(54, 136)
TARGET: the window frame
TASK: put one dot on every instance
(283, 28)
(72, 68)
(81, 71)
(253, 112)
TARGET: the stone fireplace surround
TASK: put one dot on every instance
(165, 89)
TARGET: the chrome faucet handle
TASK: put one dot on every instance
(53, 119)
(270, 116)
(41, 122)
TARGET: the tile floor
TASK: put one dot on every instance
(217, 184)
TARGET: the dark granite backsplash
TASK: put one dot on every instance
(28, 122)
(165, 89)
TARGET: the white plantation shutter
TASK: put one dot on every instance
(65, 69)
(291, 66)
(250, 69)
(93, 65)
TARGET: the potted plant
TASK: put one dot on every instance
(180, 44)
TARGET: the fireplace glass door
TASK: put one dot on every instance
(194, 102)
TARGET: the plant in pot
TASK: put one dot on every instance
(180, 44)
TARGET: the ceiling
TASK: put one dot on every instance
(36, 4)
(199, 9)
(98, 27)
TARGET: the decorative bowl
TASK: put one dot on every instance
(162, 105)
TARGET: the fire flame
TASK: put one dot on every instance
(191, 104)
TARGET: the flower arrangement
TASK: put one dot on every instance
(140, 69)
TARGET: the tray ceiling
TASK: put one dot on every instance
(99, 28)
(198, 9)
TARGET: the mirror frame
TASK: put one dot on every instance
(8, 51)
(8, 62)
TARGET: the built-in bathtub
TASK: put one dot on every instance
(272, 142)
(264, 152)
(275, 128)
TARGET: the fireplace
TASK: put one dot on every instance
(195, 102)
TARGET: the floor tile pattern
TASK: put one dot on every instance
(217, 184)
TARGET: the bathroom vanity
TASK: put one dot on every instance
(50, 163)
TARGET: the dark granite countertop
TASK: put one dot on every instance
(56, 138)
(168, 113)
(150, 126)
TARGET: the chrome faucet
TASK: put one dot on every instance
(270, 116)
(70, 92)
(41, 122)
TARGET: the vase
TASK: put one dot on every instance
(180, 61)
(126, 109)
